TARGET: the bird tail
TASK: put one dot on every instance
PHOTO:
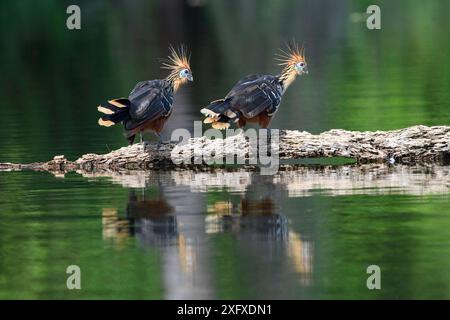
(219, 114)
(115, 111)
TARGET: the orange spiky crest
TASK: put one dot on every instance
(175, 62)
(288, 59)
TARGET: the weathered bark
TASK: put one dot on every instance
(418, 144)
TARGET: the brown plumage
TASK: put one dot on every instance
(256, 98)
(149, 104)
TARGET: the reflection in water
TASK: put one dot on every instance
(301, 253)
(403, 223)
(153, 220)
(257, 221)
(115, 228)
(304, 181)
(253, 218)
(187, 216)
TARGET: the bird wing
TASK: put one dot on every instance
(243, 81)
(138, 86)
(255, 96)
(150, 100)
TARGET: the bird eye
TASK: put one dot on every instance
(184, 73)
(302, 64)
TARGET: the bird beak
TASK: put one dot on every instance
(190, 78)
(305, 70)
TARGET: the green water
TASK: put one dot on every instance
(237, 236)
(309, 234)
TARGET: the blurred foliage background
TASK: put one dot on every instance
(52, 78)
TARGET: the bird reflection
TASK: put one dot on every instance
(153, 219)
(272, 229)
(156, 226)
(253, 217)
(115, 229)
(247, 217)
(255, 214)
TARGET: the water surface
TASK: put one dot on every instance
(309, 233)
(306, 233)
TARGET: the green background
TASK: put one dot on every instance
(52, 79)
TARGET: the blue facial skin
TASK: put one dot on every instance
(185, 73)
(301, 68)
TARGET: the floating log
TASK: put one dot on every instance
(413, 145)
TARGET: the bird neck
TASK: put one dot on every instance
(287, 76)
(176, 85)
(174, 82)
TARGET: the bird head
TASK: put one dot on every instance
(293, 59)
(178, 64)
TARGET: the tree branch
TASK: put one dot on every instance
(418, 144)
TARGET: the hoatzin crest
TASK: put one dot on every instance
(149, 104)
(256, 98)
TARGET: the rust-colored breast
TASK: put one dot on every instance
(155, 125)
(263, 119)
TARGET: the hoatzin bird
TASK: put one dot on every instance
(256, 98)
(149, 104)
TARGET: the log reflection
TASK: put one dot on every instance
(302, 181)
(190, 210)
(254, 219)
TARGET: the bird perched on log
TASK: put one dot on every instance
(149, 104)
(256, 98)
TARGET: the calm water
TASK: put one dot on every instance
(307, 233)
(310, 233)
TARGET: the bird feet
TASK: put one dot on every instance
(159, 142)
(144, 144)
